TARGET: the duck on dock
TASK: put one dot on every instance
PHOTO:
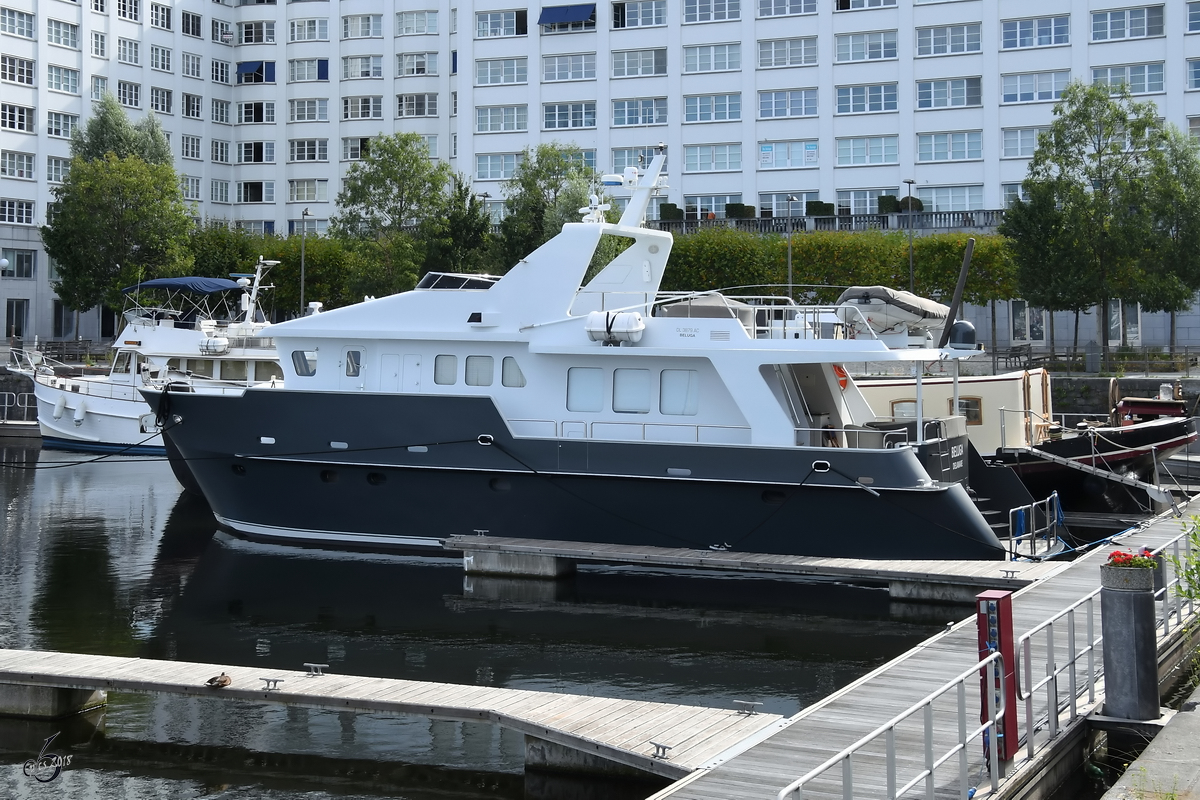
(219, 681)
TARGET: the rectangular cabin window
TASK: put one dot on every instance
(202, 367)
(233, 370)
(679, 392)
(510, 372)
(305, 362)
(631, 391)
(904, 409)
(445, 370)
(969, 407)
(585, 389)
(121, 363)
(479, 370)
(267, 371)
(353, 363)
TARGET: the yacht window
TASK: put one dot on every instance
(631, 391)
(969, 407)
(201, 366)
(266, 371)
(445, 370)
(679, 392)
(510, 372)
(904, 409)
(173, 363)
(479, 370)
(353, 363)
(233, 370)
(305, 362)
(121, 362)
(585, 389)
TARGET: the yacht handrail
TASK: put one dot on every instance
(35, 362)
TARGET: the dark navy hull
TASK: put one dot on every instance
(372, 470)
(55, 443)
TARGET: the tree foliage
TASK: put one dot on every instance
(116, 221)
(458, 240)
(395, 186)
(109, 130)
(219, 249)
(541, 175)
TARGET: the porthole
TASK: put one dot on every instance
(774, 498)
(238, 469)
(376, 478)
(499, 485)
(329, 476)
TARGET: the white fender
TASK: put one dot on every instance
(80, 412)
(60, 405)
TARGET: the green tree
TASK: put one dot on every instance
(109, 130)
(116, 221)
(395, 186)
(1092, 165)
(719, 257)
(218, 248)
(541, 176)
(1171, 263)
(457, 241)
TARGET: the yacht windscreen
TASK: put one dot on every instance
(451, 280)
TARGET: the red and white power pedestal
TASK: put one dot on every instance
(993, 619)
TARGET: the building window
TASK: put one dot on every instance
(190, 187)
(18, 212)
(951, 198)
(62, 33)
(129, 9)
(575, 67)
(99, 87)
(256, 112)
(191, 65)
(1034, 86)
(711, 10)
(61, 125)
(362, 67)
(256, 192)
(1193, 74)
(256, 33)
(16, 165)
(868, 150)
(362, 26)
(160, 100)
(568, 19)
(311, 110)
(501, 118)
(866, 46)
(866, 99)
(502, 70)
(1193, 24)
(496, 166)
(16, 118)
(1020, 142)
(256, 72)
(855, 5)
(16, 70)
(189, 146)
(791, 103)
(948, 40)
(219, 191)
(20, 262)
(640, 14)
(640, 111)
(308, 69)
(416, 105)
(712, 108)
(190, 24)
(1028, 324)
(501, 23)
(1042, 32)
(308, 150)
(1139, 78)
(712, 58)
(160, 58)
(639, 157)
(220, 151)
(256, 152)
(128, 51)
(310, 190)
(220, 71)
(962, 146)
(779, 8)
(707, 206)
(789, 155)
(1127, 23)
(192, 106)
(160, 16)
(362, 108)
(61, 79)
(1009, 192)
(415, 23)
(777, 204)
(355, 148)
(949, 93)
(861, 201)
(220, 111)
(560, 116)
(99, 44)
(787, 52)
(410, 64)
(57, 169)
(222, 32)
(17, 23)
(100, 6)
(712, 158)
(308, 30)
(635, 63)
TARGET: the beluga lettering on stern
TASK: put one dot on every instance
(687, 333)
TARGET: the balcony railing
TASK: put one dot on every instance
(922, 222)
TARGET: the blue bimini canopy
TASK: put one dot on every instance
(552, 15)
(187, 284)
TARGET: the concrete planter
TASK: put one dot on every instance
(1129, 579)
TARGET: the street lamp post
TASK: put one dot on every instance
(910, 182)
(303, 230)
(790, 199)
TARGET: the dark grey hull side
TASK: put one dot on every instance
(371, 470)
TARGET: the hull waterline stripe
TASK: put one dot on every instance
(274, 532)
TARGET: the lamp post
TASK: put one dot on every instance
(3, 267)
(303, 230)
(790, 199)
(910, 182)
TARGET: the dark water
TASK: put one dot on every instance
(109, 558)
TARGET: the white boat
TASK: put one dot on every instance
(544, 405)
(205, 332)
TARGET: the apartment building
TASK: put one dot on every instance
(267, 103)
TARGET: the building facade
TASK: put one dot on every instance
(759, 101)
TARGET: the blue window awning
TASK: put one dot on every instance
(552, 15)
(245, 67)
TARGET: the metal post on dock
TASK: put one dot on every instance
(917, 368)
